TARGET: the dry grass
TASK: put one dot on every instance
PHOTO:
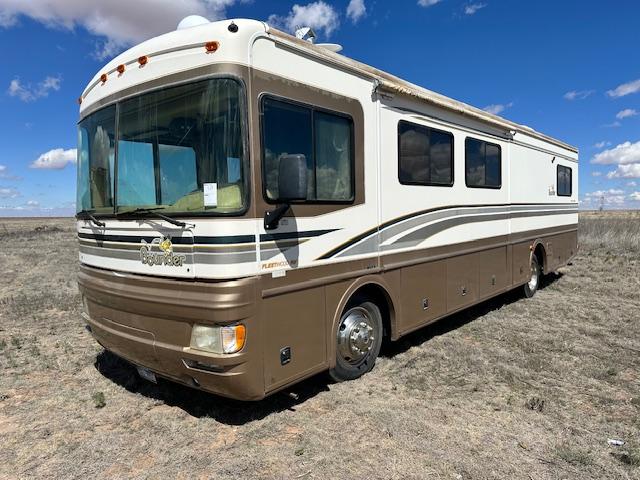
(512, 388)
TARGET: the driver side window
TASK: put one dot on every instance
(324, 138)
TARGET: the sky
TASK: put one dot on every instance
(570, 69)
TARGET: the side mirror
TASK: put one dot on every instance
(292, 178)
(292, 185)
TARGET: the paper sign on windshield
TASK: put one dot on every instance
(210, 194)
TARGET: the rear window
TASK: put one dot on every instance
(564, 181)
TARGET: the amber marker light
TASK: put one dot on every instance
(211, 47)
(79, 100)
(120, 69)
(103, 77)
(143, 60)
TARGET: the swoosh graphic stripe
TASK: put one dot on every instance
(368, 241)
(207, 240)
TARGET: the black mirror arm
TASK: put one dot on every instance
(272, 217)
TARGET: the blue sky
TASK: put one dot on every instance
(570, 69)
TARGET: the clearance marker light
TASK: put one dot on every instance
(79, 100)
(103, 77)
(211, 47)
(143, 60)
(120, 69)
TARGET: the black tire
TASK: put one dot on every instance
(350, 368)
(531, 287)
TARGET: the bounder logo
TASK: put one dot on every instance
(164, 257)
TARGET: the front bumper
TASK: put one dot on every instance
(148, 321)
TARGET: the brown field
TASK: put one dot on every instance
(512, 388)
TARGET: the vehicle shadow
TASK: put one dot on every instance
(234, 412)
(457, 320)
(198, 403)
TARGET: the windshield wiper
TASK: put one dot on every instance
(152, 211)
(88, 215)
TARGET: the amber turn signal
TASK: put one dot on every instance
(211, 46)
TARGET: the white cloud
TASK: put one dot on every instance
(608, 197)
(473, 8)
(625, 89)
(320, 16)
(33, 203)
(120, 22)
(635, 196)
(55, 159)
(428, 3)
(632, 184)
(625, 171)
(8, 192)
(4, 174)
(596, 174)
(627, 112)
(624, 153)
(30, 93)
(36, 211)
(497, 108)
(602, 144)
(578, 94)
(615, 124)
(356, 10)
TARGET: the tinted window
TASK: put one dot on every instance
(325, 139)
(332, 157)
(482, 164)
(564, 181)
(425, 155)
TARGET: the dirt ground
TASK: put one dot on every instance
(512, 388)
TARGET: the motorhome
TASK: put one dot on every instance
(254, 208)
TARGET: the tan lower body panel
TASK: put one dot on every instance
(148, 320)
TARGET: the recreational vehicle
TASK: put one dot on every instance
(254, 208)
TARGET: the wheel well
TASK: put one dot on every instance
(541, 255)
(380, 297)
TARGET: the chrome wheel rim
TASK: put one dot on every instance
(356, 335)
(533, 282)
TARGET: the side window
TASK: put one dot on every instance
(483, 164)
(425, 155)
(564, 181)
(326, 141)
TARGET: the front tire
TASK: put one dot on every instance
(531, 287)
(358, 340)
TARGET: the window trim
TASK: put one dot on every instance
(558, 181)
(466, 181)
(352, 153)
(452, 162)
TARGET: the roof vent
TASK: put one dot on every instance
(306, 33)
(192, 21)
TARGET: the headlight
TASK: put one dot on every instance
(228, 339)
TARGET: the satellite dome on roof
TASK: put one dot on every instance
(192, 21)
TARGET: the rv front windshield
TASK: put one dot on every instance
(179, 150)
